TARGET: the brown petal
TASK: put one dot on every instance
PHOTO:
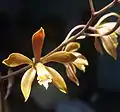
(109, 46)
(109, 42)
(61, 57)
(71, 73)
(72, 46)
(98, 46)
(16, 59)
(58, 81)
(27, 81)
(37, 43)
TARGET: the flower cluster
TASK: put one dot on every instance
(68, 56)
(45, 75)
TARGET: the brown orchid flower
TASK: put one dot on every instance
(109, 42)
(80, 61)
(45, 75)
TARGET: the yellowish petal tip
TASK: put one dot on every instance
(77, 83)
(4, 61)
(64, 91)
(41, 28)
(83, 68)
(86, 63)
(25, 96)
(25, 100)
(16, 59)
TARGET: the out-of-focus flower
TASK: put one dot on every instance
(109, 42)
(45, 74)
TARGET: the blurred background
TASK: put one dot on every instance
(99, 85)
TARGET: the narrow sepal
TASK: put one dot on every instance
(37, 43)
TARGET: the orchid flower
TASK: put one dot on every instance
(45, 75)
(109, 42)
(80, 62)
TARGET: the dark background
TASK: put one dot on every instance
(99, 85)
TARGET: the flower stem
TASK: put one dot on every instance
(2, 108)
(15, 73)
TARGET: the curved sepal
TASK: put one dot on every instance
(71, 73)
(72, 46)
(97, 45)
(57, 79)
(16, 59)
(108, 45)
(61, 57)
(27, 81)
